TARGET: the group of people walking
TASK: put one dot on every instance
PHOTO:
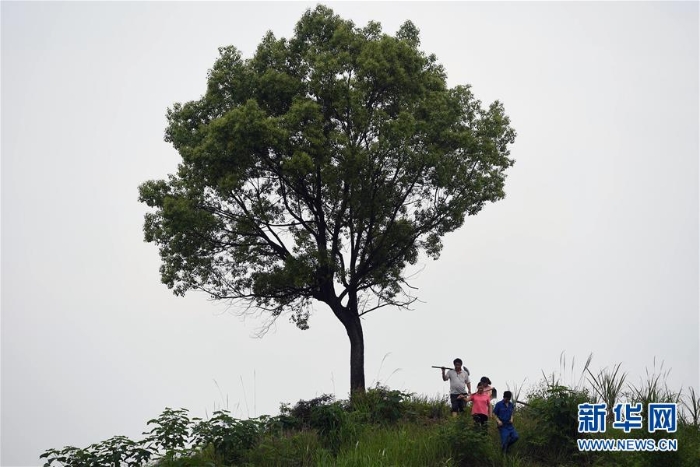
(482, 410)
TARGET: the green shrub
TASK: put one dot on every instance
(331, 419)
(70, 456)
(425, 410)
(467, 445)
(380, 404)
(118, 450)
(688, 437)
(171, 431)
(334, 425)
(299, 416)
(231, 438)
(550, 429)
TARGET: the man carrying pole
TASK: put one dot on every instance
(460, 385)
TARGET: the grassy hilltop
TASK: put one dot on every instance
(387, 427)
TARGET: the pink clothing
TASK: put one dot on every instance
(481, 402)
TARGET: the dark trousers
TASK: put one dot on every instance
(457, 404)
(480, 420)
(508, 435)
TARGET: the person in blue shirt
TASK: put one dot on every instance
(503, 411)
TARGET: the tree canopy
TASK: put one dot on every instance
(319, 169)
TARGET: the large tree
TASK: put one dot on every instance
(319, 169)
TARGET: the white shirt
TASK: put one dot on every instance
(458, 381)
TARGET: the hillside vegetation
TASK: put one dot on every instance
(386, 427)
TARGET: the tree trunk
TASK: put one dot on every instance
(353, 326)
(350, 319)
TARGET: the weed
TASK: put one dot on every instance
(607, 385)
(691, 408)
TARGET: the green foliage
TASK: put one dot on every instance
(607, 385)
(328, 417)
(402, 444)
(231, 438)
(552, 429)
(649, 458)
(171, 430)
(690, 413)
(299, 416)
(200, 458)
(653, 388)
(689, 446)
(70, 456)
(319, 169)
(300, 448)
(423, 409)
(333, 424)
(116, 451)
(383, 427)
(381, 404)
(468, 446)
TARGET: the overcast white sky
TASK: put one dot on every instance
(595, 248)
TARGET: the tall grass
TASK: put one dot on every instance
(691, 408)
(517, 390)
(654, 387)
(607, 385)
(386, 427)
(407, 445)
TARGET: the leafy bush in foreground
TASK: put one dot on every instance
(550, 427)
